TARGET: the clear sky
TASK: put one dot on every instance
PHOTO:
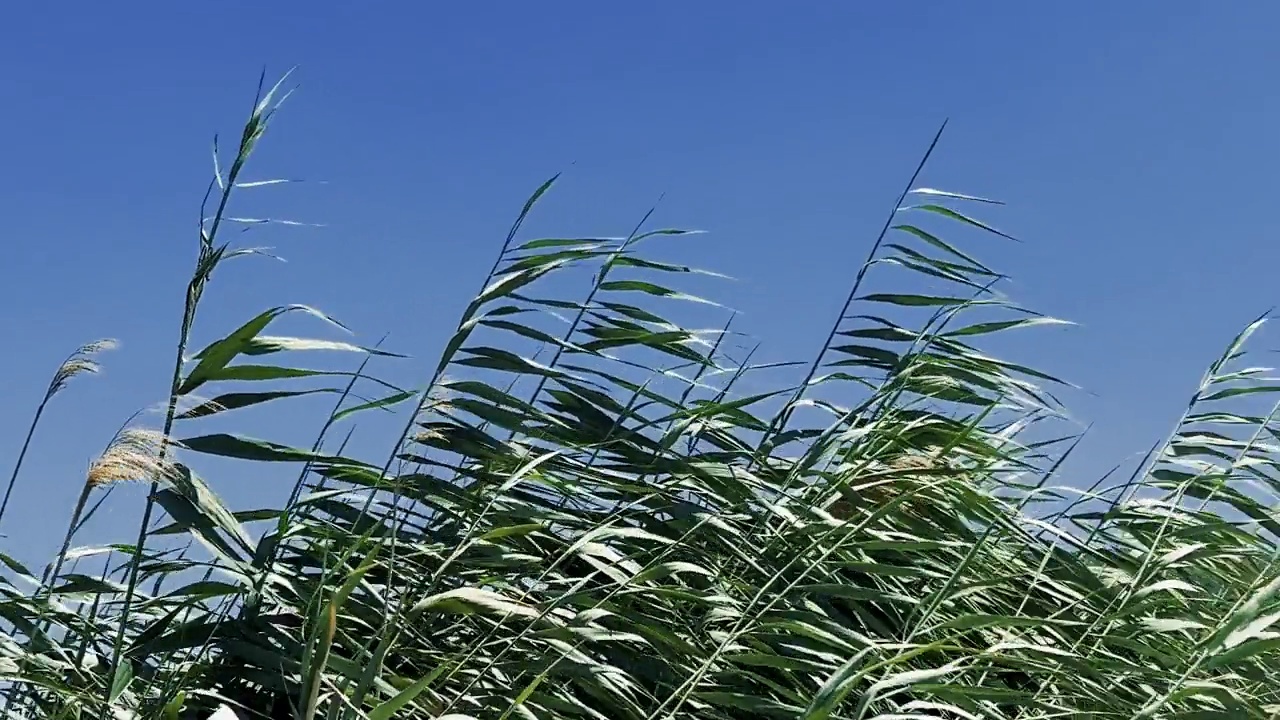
(1134, 142)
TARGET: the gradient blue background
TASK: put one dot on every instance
(1134, 143)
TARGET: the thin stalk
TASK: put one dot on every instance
(208, 259)
(77, 363)
(784, 417)
(72, 526)
(22, 454)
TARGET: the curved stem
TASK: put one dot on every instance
(785, 416)
(22, 454)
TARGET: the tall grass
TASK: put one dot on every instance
(587, 514)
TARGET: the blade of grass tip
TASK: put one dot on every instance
(252, 130)
(217, 165)
(785, 416)
(954, 196)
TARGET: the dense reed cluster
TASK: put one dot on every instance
(586, 514)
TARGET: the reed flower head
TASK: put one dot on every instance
(437, 403)
(80, 362)
(427, 435)
(135, 455)
(914, 462)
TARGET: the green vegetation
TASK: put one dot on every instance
(593, 517)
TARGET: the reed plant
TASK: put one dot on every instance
(595, 508)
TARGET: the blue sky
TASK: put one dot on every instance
(1132, 141)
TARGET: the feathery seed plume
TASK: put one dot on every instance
(134, 456)
(426, 436)
(80, 362)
